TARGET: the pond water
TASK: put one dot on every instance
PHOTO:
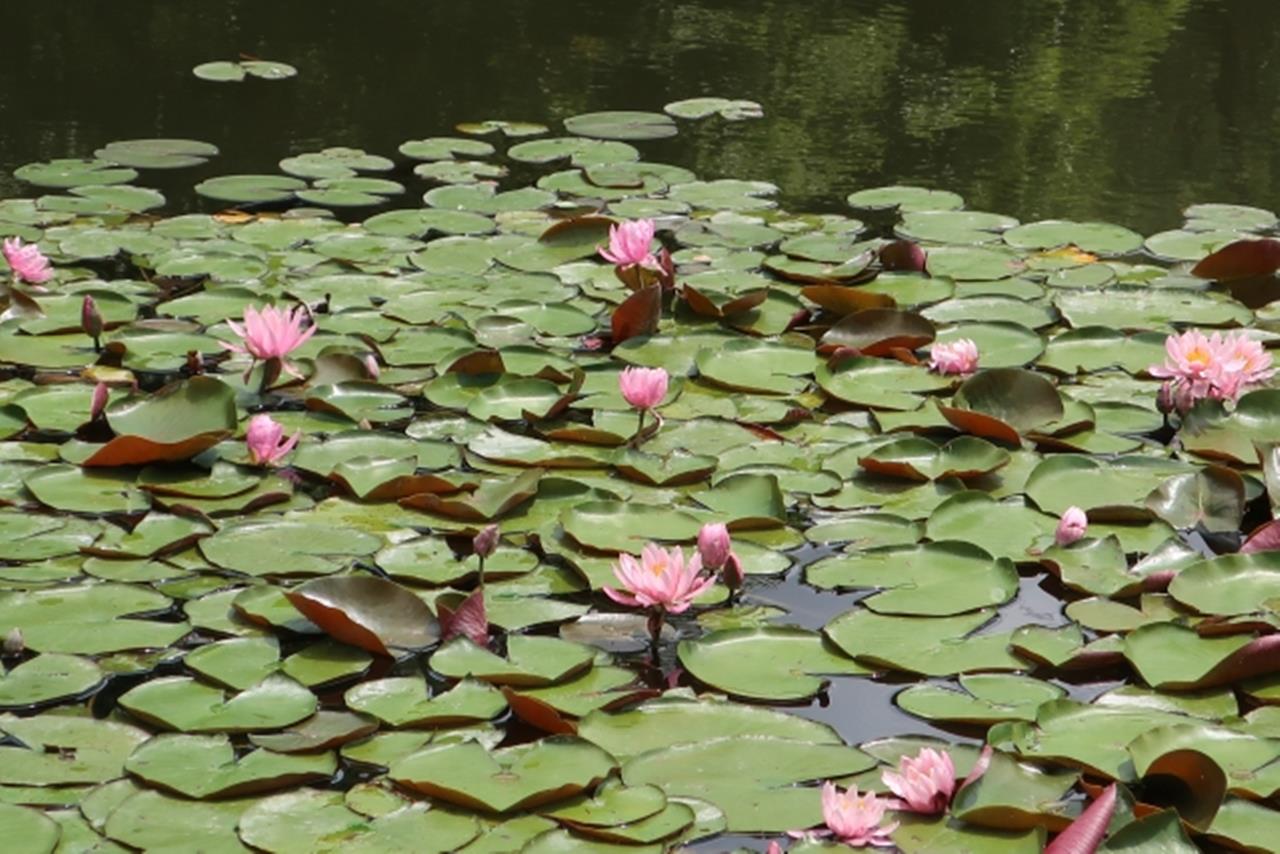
(1088, 109)
(897, 522)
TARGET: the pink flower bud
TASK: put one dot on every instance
(713, 545)
(732, 572)
(1071, 526)
(90, 318)
(643, 388)
(485, 543)
(99, 402)
(371, 366)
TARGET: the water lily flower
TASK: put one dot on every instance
(270, 335)
(855, 819)
(774, 847)
(643, 388)
(629, 244)
(99, 401)
(923, 783)
(1244, 358)
(265, 439)
(1071, 526)
(661, 580)
(28, 263)
(91, 321)
(713, 545)
(1191, 358)
(1209, 367)
(958, 357)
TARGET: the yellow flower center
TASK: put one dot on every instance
(1199, 356)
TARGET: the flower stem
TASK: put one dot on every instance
(655, 629)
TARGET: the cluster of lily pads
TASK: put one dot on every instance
(218, 639)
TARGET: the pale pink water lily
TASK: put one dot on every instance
(958, 357)
(923, 783)
(1209, 367)
(714, 546)
(855, 819)
(265, 440)
(643, 388)
(1191, 358)
(271, 333)
(661, 579)
(629, 243)
(27, 262)
(1242, 357)
(1071, 526)
(774, 847)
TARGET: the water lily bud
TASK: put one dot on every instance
(485, 542)
(732, 572)
(371, 365)
(714, 545)
(1071, 526)
(90, 318)
(99, 402)
(1165, 398)
(14, 643)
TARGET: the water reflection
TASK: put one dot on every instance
(1086, 109)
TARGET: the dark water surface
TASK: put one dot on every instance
(1124, 111)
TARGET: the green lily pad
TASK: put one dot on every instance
(504, 780)
(931, 579)
(205, 766)
(777, 664)
(182, 703)
(531, 660)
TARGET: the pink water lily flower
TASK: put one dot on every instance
(660, 579)
(958, 357)
(629, 243)
(855, 819)
(27, 262)
(265, 439)
(271, 333)
(1071, 526)
(1241, 362)
(1191, 358)
(643, 388)
(923, 783)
